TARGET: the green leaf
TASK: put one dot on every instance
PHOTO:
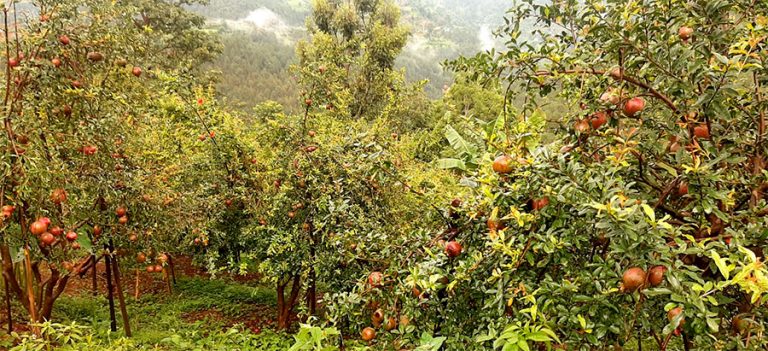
(722, 266)
(451, 163)
(582, 322)
(649, 212)
(713, 325)
(539, 336)
(458, 143)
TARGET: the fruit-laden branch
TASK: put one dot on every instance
(634, 81)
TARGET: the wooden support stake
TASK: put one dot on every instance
(110, 292)
(120, 297)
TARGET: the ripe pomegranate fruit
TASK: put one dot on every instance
(375, 279)
(673, 313)
(38, 227)
(656, 275)
(47, 239)
(95, 56)
(56, 62)
(71, 236)
(581, 125)
(682, 189)
(136, 71)
(64, 40)
(8, 211)
(502, 164)
(633, 279)
(121, 211)
(539, 204)
(123, 220)
(495, 224)
(97, 231)
(56, 231)
(391, 324)
(76, 245)
(610, 97)
(453, 249)
(368, 334)
(377, 317)
(701, 131)
(685, 33)
(90, 150)
(59, 196)
(599, 119)
(141, 257)
(634, 106)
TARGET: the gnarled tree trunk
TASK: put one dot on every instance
(285, 308)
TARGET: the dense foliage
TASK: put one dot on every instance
(596, 184)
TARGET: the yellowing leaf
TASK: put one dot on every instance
(649, 212)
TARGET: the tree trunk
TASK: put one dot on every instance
(30, 288)
(687, 344)
(173, 268)
(94, 280)
(136, 296)
(312, 276)
(281, 323)
(8, 311)
(285, 308)
(110, 293)
(167, 278)
(120, 298)
(312, 290)
(9, 274)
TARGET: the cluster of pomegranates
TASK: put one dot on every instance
(141, 258)
(378, 318)
(636, 278)
(48, 235)
(122, 215)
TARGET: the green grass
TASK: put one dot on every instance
(166, 321)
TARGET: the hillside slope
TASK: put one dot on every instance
(259, 38)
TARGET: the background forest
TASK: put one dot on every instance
(259, 37)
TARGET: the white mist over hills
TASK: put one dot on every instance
(433, 22)
(259, 38)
